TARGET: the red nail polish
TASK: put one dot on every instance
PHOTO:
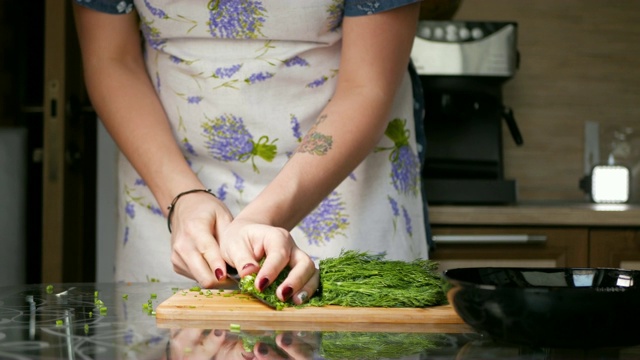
(263, 349)
(287, 292)
(263, 284)
(219, 274)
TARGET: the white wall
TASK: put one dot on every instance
(13, 187)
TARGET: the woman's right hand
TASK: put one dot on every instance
(196, 221)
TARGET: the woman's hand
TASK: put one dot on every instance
(244, 242)
(222, 344)
(196, 220)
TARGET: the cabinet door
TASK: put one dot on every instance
(616, 248)
(510, 247)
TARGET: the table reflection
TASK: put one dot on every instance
(116, 321)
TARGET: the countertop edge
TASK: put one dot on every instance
(537, 214)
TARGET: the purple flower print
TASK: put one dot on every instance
(395, 211)
(229, 140)
(394, 206)
(188, 147)
(258, 77)
(226, 73)
(404, 170)
(407, 221)
(140, 182)
(236, 19)
(326, 222)
(239, 183)
(154, 209)
(159, 13)
(405, 164)
(174, 59)
(194, 99)
(221, 193)
(317, 82)
(295, 61)
(295, 127)
(151, 35)
(335, 11)
(130, 210)
(125, 238)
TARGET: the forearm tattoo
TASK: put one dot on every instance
(314, 142)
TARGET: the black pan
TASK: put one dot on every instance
(550, 307)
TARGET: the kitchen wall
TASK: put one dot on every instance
(580, 62)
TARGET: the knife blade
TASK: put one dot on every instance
(232, 274)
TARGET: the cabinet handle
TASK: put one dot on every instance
(489, 239)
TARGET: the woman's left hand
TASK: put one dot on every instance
(244, 243)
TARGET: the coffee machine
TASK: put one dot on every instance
(462, 66)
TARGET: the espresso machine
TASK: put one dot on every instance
(462, 66)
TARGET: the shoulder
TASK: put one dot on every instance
(368, 7)
(108, 6)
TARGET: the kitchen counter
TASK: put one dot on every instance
(538, 213)
(66, 322)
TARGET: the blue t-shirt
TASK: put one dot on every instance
(351, 7)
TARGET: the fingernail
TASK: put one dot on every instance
(263, 284)
(219, 274)
(286, 292)
(303, 296)
(287, 339)
(263, 349)
(217, 332)
(246, 266)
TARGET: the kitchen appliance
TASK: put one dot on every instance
(549, 307)
(462, 66)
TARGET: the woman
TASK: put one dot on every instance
(298, 115)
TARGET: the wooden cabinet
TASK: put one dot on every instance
(618, 248)
(461, 246)
(513, 246)
(537, 235)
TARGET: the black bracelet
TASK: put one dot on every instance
(175, 200)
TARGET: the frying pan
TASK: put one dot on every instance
(549, 307)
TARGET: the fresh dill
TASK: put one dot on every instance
(359, 279)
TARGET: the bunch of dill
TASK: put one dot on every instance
(364, 345)
(359, 279)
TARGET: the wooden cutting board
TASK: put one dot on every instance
(221, 308)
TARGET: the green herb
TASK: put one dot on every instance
(359, 279)
(90, 314)
(59, 322)
(125, 296)
(86, 328)
(269, 294)
(154, 295)
(49, 289)
(359, 345)
(195, 288)
(384, 345)
(103, 311)
(234, 328)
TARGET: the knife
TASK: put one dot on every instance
(232, 274)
